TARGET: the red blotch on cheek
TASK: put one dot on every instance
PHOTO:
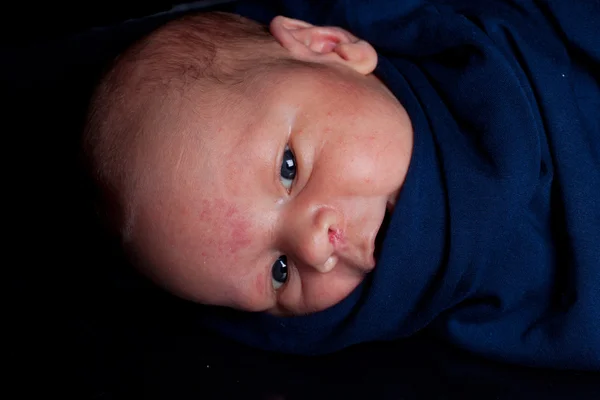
(231, 230)
(205, 210)
(236, 226)
(239, 237)
(231, 211)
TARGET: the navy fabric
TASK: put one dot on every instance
(494, 243)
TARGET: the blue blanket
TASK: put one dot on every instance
(494, 243)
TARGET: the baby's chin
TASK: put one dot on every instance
(382, 231)
(389, 209)
(391, 201)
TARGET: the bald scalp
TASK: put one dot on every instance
(146, 83)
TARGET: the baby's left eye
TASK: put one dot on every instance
(288, 168)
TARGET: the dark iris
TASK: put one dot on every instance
(288, 165)
(279, 272)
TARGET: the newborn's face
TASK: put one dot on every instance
(272, 200)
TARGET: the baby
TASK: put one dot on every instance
(448, 181)
(250, 169)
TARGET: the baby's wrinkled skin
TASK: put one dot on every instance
(216, 214)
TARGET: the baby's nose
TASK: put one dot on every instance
(316, 251)
(316, 246)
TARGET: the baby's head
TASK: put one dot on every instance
(248, 168)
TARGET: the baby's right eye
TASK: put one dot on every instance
(288, 168)
(279, 272)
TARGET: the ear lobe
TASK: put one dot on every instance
(324, 44)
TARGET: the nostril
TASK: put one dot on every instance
(336, 236)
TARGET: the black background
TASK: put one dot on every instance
(82, 324)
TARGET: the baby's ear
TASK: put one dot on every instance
(324, 44)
